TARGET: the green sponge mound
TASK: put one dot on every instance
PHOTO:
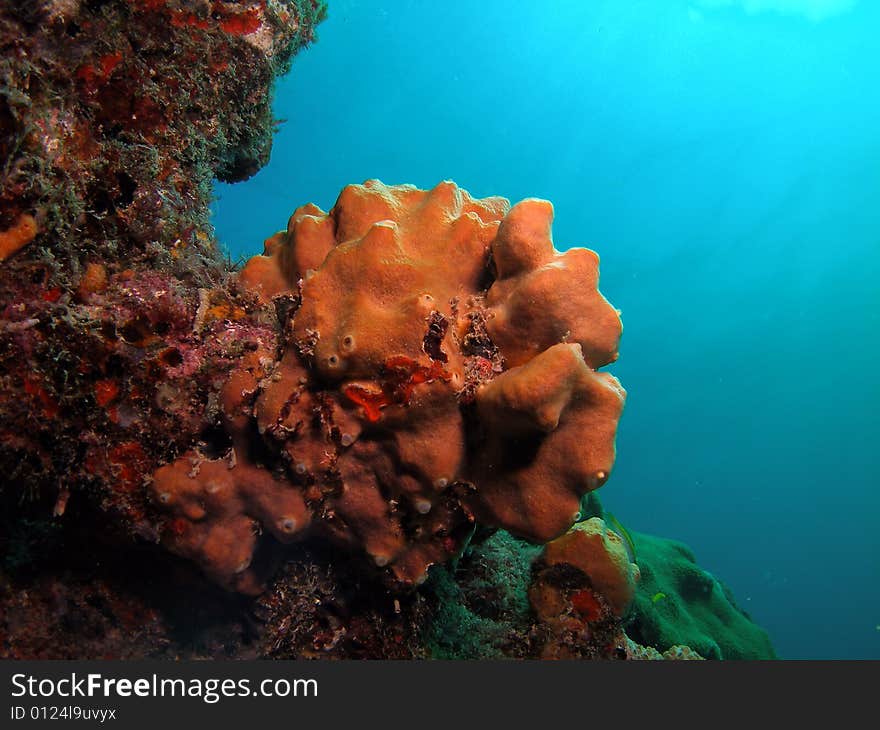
(677, 602)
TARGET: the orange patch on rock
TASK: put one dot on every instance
(224, 311)
(18, 235)
(93, 281)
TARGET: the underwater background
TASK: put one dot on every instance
(722, 156)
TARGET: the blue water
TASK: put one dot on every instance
(723, 156)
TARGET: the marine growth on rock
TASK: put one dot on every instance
(436, 367)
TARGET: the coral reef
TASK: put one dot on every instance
(115, 115)
(115, 319)
(392, 421)
(116, 323)
(374, 397)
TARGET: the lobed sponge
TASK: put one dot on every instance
(437, 369)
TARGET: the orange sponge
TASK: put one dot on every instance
(18, 235)
(439, 369)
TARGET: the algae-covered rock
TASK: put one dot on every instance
(677, 602)
(482, 608)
